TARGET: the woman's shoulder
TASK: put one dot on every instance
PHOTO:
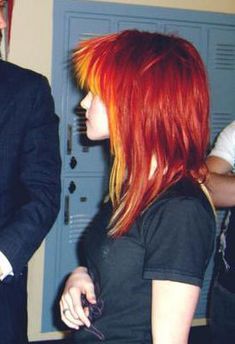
(183, 197)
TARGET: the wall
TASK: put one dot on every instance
(31, 47)
(31, 39)
(227, 6)
(31, 43)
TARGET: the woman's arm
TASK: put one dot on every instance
(173, 307)
(72, 312)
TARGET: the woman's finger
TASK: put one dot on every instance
(90, 293)
(67, 318)
(77, 310)
(72, 297)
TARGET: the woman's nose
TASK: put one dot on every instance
(86, 101)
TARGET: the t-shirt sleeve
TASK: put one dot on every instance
(179, 240)
(225, 144)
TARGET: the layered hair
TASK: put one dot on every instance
(155, 90)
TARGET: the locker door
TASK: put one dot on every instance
(221, 69)
(81, 204)
(192, 32)
(80, 154)
(85, 163)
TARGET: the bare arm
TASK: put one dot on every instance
(173, 307)
(220, 183)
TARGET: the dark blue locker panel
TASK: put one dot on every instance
(221, 69)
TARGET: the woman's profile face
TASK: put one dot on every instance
(96, 117)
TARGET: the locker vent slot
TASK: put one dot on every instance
(220, 121)
(225, 56)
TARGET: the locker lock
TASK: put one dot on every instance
(72, 187)
(73, 162)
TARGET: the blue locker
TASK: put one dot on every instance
(85, 165)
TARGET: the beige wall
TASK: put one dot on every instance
(31, 39)
(31, 47)
(31, 43)
(227, 6)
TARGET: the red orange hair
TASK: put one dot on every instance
(155, 89)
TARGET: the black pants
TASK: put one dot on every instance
(13, 310)
(222, 315)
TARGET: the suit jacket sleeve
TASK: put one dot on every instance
(39, 178)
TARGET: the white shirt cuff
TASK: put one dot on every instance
(6, 267)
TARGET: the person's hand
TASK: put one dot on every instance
(79, 284)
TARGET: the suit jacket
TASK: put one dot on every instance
(29, 163)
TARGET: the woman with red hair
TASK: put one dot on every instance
(147, 253)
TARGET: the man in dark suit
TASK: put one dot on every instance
(29, 185)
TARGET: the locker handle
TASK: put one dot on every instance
(66, 210)
(73, 162)
(72, 187)
(69, 138)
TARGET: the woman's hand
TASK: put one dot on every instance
(79, 283)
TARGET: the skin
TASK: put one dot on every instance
(173, 307)
(96, 117)
(3, 23)
(220, 182)
(78, 283)
(168, 327)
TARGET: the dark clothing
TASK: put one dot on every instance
(226, 275)
(172, 240)
(230, 240)
(13, 311)
(29, 177)
(222, 315)
(222, 312)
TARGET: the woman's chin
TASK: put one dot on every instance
(95, 137)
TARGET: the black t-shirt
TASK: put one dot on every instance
(172, 240)
(226, 276)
